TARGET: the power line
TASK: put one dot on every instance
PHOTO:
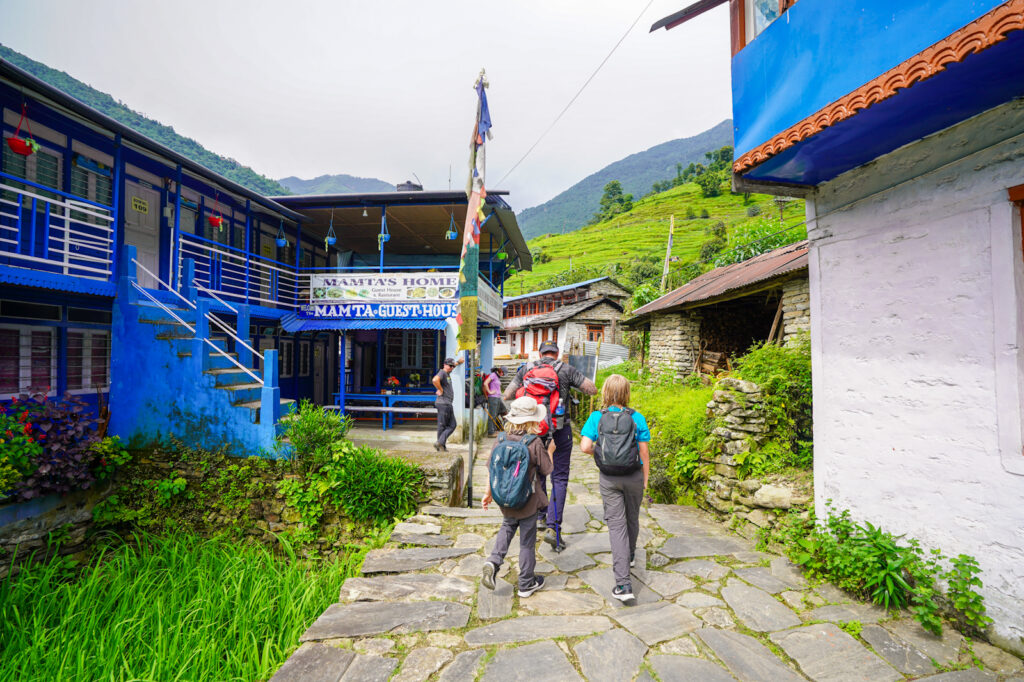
(574, 97)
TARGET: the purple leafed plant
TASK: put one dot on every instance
(67, 430)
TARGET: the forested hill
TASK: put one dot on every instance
(336, 184)
(165, 135)
(573, 208)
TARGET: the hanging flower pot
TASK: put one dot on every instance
(330, 240)
(216, 221)
(281, 240)
(28, 146)
(501, 255)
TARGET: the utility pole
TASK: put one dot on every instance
(668, 250)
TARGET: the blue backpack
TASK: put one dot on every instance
(509, 470)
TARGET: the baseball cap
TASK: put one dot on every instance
(450, 361)
(548, 347)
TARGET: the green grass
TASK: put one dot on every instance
(174, 608)
(643, 231)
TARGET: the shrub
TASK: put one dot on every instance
(18, 450)
(66, 430)
(754, 210)
(784, 375)
(690, 213)
(110, 453)
(372, 487)
(894, 573)
(312, 433)
(711, 248)
(367, 485)
(704, 213)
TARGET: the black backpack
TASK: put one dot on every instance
(616, 451)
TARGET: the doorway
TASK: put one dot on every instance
(142, 229)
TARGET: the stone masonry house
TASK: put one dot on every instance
(727, 310)
(569, 316)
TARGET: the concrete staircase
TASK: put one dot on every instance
(170, 377)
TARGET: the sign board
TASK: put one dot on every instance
(395, 287)
(140, 205)
(489, 303)
(587, 364)
(373, 311)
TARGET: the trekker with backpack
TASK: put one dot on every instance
(549, 381)
(517, 460)
(617, 437)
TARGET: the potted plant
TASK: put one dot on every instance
(27, 146)
(392, 383)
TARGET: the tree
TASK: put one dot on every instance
(710, 183)
(613, 201)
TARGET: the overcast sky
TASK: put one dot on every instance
(384, 89)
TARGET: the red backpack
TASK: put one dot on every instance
(540, 382)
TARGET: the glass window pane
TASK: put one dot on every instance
(765, 12)
(76, 360)
(9, 360)
(42, 360)
(100, 352)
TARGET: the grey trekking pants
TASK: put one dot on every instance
(527, 546)
(622, 496)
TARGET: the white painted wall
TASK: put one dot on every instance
(916, 299)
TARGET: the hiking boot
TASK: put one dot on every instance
(624, 593)
(438, 446)
(632, 559)
(542, 522)
(538, 582)
(490, 570)
(551, 538)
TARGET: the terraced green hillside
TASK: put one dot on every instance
(614, 246)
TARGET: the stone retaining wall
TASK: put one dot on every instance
(46, 527)
(738, 409)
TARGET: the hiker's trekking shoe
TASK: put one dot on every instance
(538, 582)
(438, 446)
(551, 537)
(624, 593)
(632, 559)
(488, 578)
(542, 522)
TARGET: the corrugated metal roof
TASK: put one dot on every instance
(10, 274)
(556, 290)
(729, 278)
(294, 323)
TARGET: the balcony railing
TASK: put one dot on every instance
(47, 230)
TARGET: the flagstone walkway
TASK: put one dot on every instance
(709, 608)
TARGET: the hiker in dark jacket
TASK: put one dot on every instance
(568, 377)
(522, 422)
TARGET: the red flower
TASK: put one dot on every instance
(41, 436)
(28, 428)
(9, 434)
(30, 439)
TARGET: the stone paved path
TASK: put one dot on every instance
(709, 608)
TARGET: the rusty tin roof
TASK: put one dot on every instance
(731, 278)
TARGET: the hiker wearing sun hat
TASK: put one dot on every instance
(517, 459)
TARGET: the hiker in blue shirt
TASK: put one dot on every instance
(617, 437)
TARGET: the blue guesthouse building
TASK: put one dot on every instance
(198, 308)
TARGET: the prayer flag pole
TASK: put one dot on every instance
(469, 262)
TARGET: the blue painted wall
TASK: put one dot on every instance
(155, 393)
(821, 50)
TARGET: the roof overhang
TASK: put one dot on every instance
(684, 15)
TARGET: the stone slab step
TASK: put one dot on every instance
(414, 559)
(406, 587)
(374, 618)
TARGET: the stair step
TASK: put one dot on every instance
(257, 404)
(240, 387)
(173, 336)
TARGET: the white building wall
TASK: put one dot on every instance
(916, 300)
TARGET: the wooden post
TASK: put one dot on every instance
(668, 251)
(775, 322)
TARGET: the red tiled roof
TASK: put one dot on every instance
(721, 281)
